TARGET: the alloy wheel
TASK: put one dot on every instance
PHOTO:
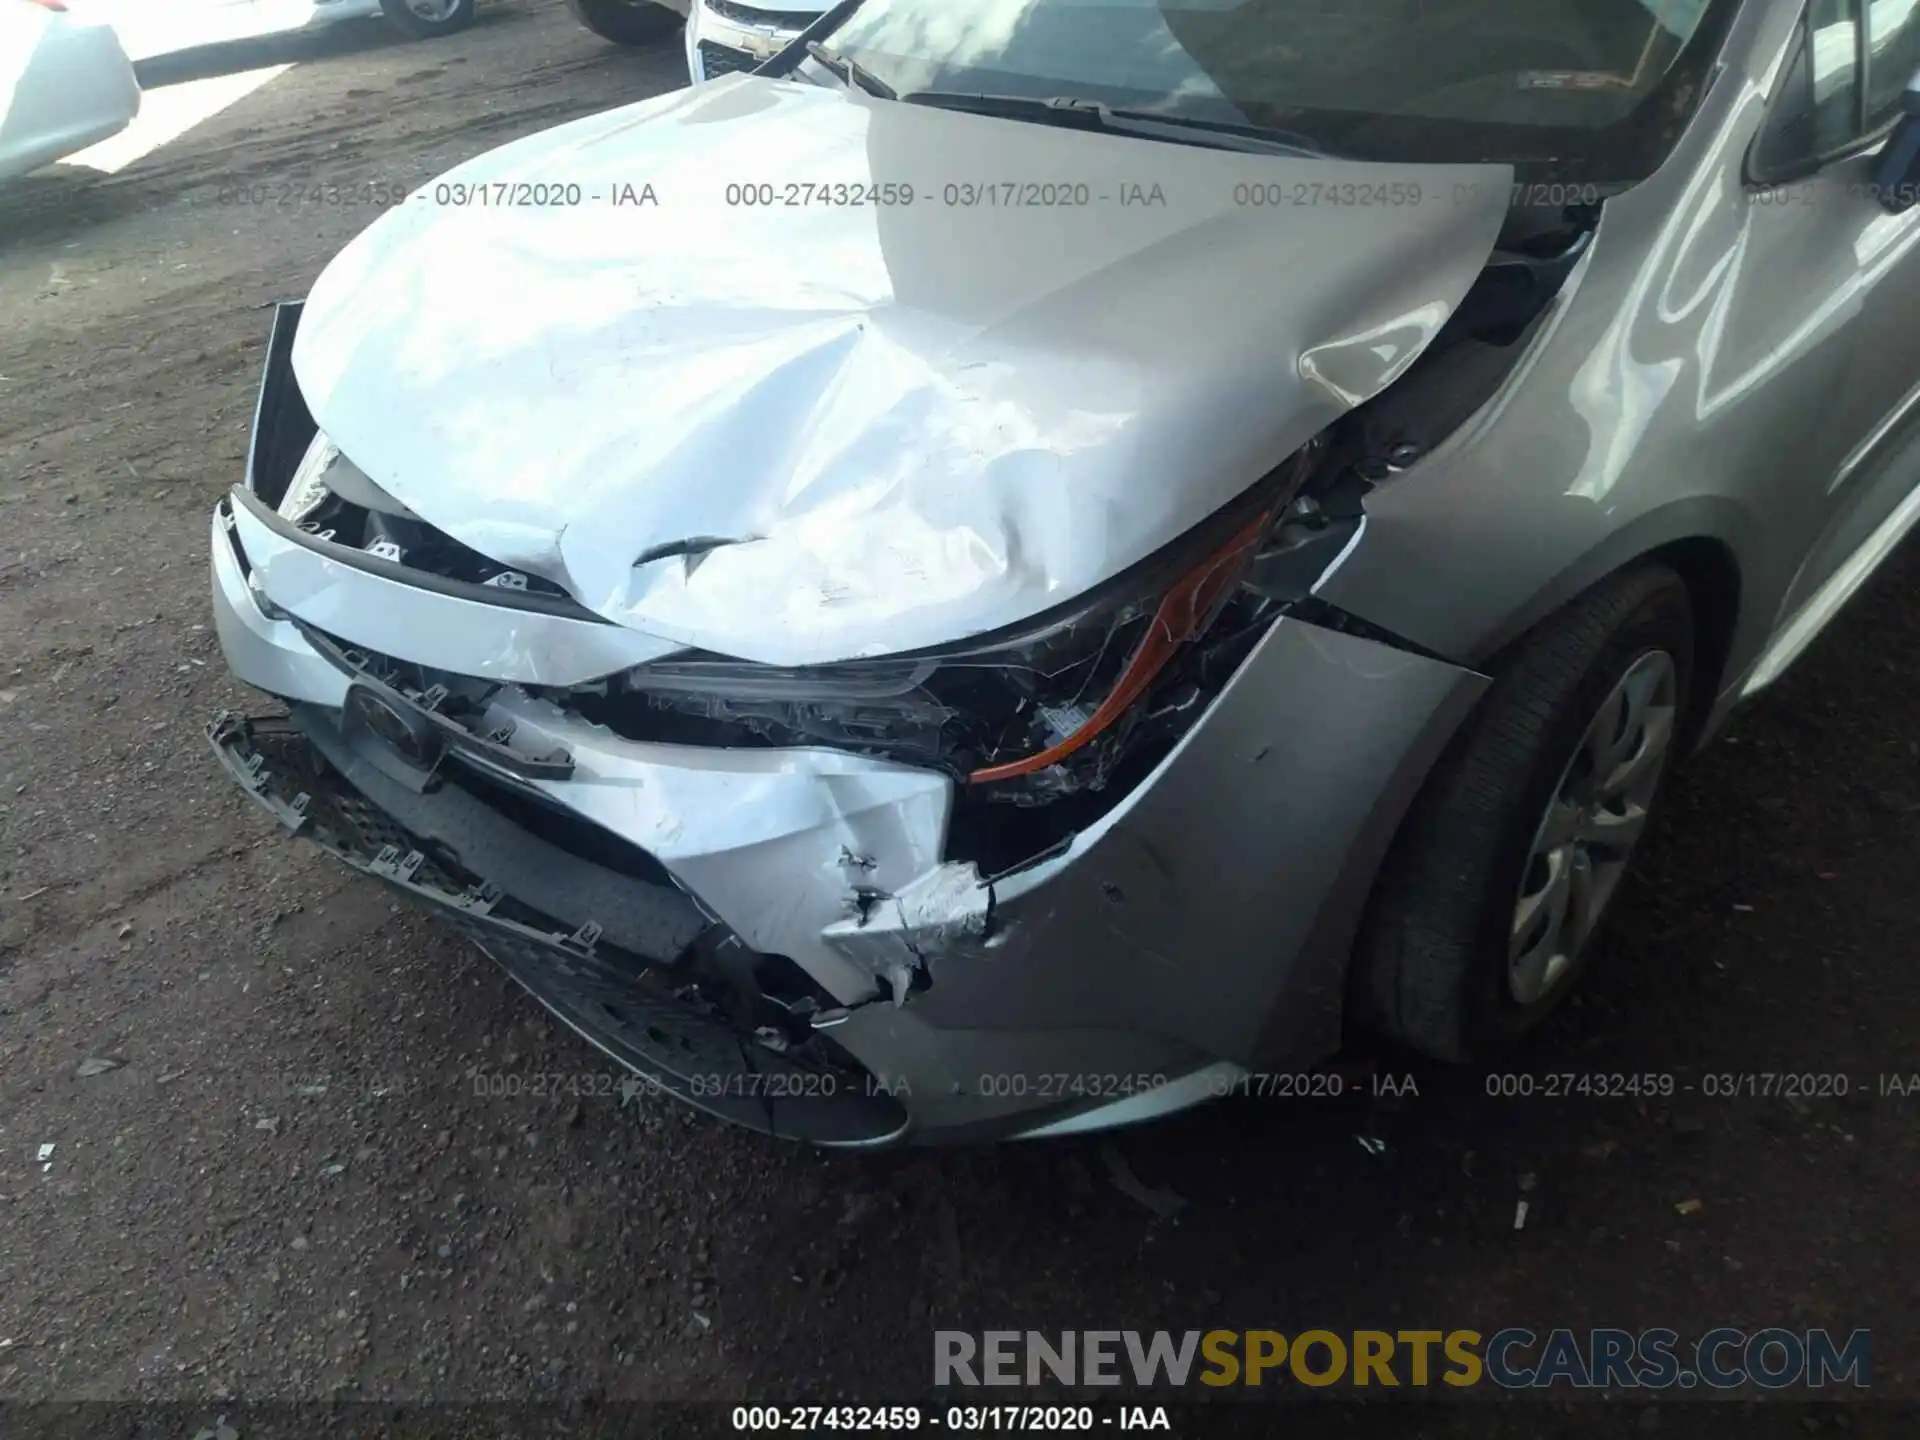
(1595, 818)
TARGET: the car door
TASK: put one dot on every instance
(1814, 166)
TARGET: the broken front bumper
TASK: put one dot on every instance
(779, 935)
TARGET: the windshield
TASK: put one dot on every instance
(1591, 89)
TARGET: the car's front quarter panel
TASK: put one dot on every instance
(1691, 381)
(1209, 913)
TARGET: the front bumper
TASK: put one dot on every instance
(1198, 929)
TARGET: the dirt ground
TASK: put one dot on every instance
(292, 1184)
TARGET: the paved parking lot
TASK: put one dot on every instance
(331, 1156)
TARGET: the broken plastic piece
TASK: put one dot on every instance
(481, 899)
(1184, 614)
(585, 938)
(947, 910)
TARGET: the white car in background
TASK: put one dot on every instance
(722, 36)
(65, 83)
(725, 35)
(150, 27)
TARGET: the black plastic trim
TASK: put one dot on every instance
(645, 1018)
(649, 920)
(405, 575)
(282, 425)
(1864, 140)
(460, 740)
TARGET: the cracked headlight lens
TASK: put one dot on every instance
(307, 490)
(324, 472)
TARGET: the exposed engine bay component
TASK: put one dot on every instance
(1022, 717)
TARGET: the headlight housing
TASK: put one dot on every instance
(323, 474)
(1026, 715)
(307, 491)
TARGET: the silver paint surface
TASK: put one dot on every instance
(1709, 374)
(920, 421)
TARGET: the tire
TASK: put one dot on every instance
(1434, 966)
(626, 22)
(420, 27)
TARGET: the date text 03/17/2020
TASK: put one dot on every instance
(906, 1419)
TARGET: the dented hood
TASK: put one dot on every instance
(910, 422)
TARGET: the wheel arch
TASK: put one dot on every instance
(1711, 572)
(1709, 568)
(1700, 538)
(1376, 988)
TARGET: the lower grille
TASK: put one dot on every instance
(665, 1023)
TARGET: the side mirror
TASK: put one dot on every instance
(1896, 178)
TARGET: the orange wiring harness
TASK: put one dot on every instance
(1184, 612)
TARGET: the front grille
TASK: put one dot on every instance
(564, 830)
(754, 15)
(717, 60)
(347, 817)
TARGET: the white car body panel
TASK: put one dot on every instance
(147, 28)
(925, 421)
(65, 83)
(493, 642)
(268, 650)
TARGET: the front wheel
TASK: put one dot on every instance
(626, 22)
(1482, 914)
(424, 19)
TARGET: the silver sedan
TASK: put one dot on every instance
(1023, 564)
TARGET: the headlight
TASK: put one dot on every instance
(1027, 714)
(307, 490)
(324, 471)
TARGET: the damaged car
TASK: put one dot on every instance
(1024, 563)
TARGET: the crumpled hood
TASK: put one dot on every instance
(911, 422)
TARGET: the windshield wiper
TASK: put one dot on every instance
(849, 71)
(1095, 115)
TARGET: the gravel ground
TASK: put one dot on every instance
(287, 1186)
